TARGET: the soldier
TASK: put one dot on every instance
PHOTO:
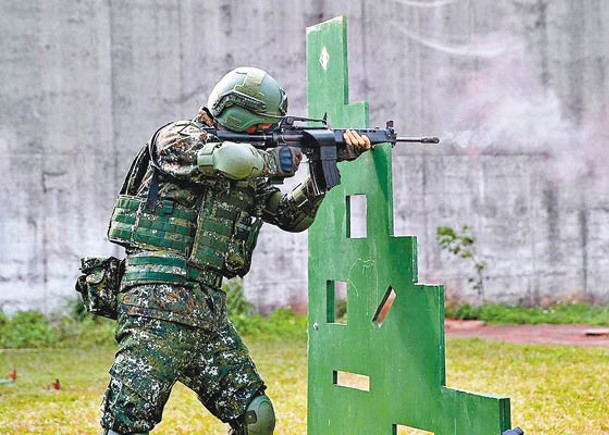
(188, 215)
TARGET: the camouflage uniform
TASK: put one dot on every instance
(173, 324)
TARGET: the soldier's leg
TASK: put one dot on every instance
(144, 371)
(226, 381)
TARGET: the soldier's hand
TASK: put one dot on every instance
(354, 139)
(355, 145)
(287, 159)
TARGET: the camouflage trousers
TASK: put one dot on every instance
(155, 353)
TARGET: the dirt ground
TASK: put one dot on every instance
(578, 335)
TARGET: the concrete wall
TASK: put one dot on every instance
(517, 88)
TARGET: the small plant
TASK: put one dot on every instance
(462, 311)
(462, 244)
(76, 309)
(3, 318)
(558, 312)
(340, 310)
(235, 299)
(28, 329)
(248, 321)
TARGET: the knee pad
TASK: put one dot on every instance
(259, 418)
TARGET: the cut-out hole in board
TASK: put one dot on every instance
(336, 298)
(356, 217)
(398, 429)
(352, 380)
(384, 307)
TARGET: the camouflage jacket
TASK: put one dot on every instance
(182, 297)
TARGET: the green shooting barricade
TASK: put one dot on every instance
(383, 370)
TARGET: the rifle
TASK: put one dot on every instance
(321, 144)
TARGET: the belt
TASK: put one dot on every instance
(153, 267)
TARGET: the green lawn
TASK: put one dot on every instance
(554, 389)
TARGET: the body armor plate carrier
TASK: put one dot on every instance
(216, 235)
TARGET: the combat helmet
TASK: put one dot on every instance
(247, 96)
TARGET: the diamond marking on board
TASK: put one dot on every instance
(324, 58)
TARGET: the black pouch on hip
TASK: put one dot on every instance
(99, 284)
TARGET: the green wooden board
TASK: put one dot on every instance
(401, 362)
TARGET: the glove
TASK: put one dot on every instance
(284, 161)
(355, 145)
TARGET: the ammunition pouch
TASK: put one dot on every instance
(168, 226)
(99, 284)
(241, 246)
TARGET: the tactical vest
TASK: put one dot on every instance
(216, 236)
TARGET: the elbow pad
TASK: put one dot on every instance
(296, 210)
(236, 161)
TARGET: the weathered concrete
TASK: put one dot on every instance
(517, 88)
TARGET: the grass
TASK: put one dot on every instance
(554, 389)
(555, 313)
(27, 407)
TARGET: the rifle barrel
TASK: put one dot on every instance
(418, 139)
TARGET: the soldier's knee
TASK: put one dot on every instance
(126, 411)
(259, 418)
